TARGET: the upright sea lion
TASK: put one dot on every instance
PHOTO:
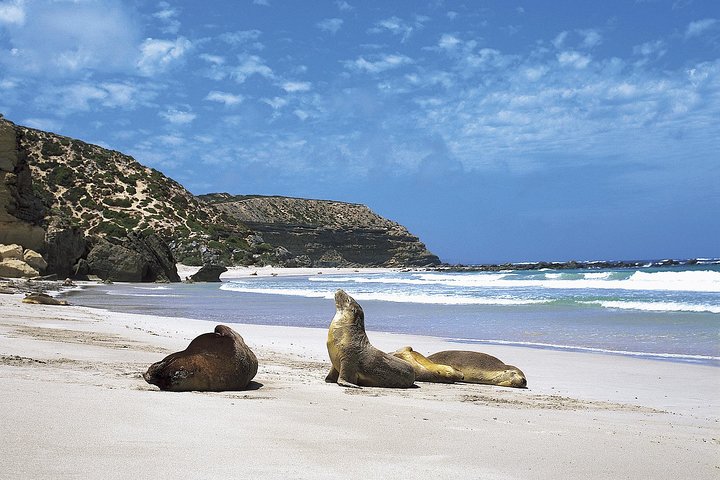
(43, 299)
(355, 362)
(426, 370)
(481, 368)
(212, 362)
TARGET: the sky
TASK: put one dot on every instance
(496, 131)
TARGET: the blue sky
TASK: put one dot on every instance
(495, 130)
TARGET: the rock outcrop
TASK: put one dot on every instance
(325, 233)
(16, 263)
(137, 259)
(21, 211)
(208, 273)
(71, 202)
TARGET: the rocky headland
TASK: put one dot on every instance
(89, 211)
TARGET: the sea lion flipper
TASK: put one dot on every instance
(348, 375)
(332, 376)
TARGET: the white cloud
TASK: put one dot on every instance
(451, 15)
(8, 84)
(158, 55)
(12, 12)
(386, 62)
(178, 117)
(657, 48)
(697, 28)
(168, 16)
(223, 97)
(343, 5)
(399, 27)
(535, 73)
(250, 65)
(331, 25)
(301, 114)
(85, 96)
(264, 3)
(292, 87)
(573, 59)
(559, 39)
(591, 38)
(242, 37)
(213, 59)
(62, 39)
(276, 102)
(448, 42)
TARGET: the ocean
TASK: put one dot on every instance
(665, 313)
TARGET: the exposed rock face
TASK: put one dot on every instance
(14, 268)
(138, 259)
(156, 254)
(327, 233)
(21, 212)
(208, 273)
(35, 260)
(64, 246)
(116, 263)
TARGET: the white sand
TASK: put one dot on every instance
(74, 405)
(267, 271)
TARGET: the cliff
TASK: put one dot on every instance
(325, 233)
(65, 198)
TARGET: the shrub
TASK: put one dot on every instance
(51, 149)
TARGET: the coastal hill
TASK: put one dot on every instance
(325, 233)
(64, 198)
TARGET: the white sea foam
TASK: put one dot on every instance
(689, 280)
(656, 306)
(676, 356)
(383, 296)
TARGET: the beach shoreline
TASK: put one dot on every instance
(76, 406)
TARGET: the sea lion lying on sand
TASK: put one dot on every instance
(355, 362)
(212, 362)
(43, 299)
(481, 368)
(426, 370)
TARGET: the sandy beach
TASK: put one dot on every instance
(74, 405)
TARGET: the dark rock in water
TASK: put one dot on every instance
(209, 273)
(116, 263)
(64, 246)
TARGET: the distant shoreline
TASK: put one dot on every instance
(576, 265)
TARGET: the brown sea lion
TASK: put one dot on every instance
(427, 371)
(355, 362)
(481, 368)
(212, 362)
(43, 299)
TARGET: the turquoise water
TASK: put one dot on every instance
(670, 313)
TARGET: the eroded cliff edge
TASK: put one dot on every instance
(324, 232)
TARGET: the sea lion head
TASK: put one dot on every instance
(511, 377)
(347, 306)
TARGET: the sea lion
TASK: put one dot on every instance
(212, 362)
(481, 368)
(427, 371)
(355, 362)
(43, 299)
